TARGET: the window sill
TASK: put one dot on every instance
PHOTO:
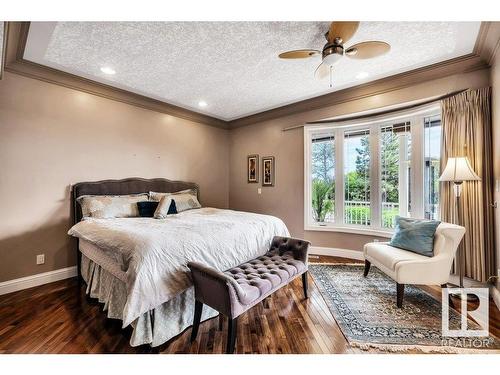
(349, 229)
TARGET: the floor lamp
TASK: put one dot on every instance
(458, 170)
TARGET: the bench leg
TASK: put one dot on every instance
(198, 308)
(304, 284)
(400, 291)
(367, 268)
(231, 334)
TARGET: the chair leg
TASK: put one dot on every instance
(231, 334)
(367, 268)
(198, 308)
(305, 284)
(400, 294)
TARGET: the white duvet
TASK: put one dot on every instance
(154, 253)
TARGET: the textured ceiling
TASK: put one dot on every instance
(233, 66)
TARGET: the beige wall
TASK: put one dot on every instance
(285, 200)
(52, 137)
(495, 83)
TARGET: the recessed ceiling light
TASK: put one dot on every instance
(202, 103)
(362, 75)
(108, 70)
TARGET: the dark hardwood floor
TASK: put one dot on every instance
(59, 318)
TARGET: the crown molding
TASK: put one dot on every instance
(487, 44)
(16, 42)
(463, 64)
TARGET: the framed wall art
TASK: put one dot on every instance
(253, 168)
(268, 171)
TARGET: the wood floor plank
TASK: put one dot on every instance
(59, 318)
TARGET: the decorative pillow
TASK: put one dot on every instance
(415, 235)
(166, 207)
(155, 196)
(147, 208)
(185, 201)
(110, 206)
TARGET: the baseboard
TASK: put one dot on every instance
(335, 252)
(36, 280)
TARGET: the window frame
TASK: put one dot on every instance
(374, 124)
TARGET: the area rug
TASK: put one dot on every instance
(366, 311)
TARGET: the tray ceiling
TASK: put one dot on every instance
(232, 67)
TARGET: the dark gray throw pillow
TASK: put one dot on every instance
(415, 235)
(148, 208)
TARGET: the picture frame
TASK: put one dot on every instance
(268, 171)
(253, 168)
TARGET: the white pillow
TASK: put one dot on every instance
(110, 206)
(155, 196)
(161, 211)
(183, 202)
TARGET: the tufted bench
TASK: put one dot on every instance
(238, 289)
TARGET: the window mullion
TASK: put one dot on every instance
(339, 176)
(375, 197)
(417, 167)
(403, 174)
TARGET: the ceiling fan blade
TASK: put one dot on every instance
(299, 54)
(322, 71)
(343, 30)
(367, 50)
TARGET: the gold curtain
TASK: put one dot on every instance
(466, 127)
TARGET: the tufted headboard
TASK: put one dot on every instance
(134, 185)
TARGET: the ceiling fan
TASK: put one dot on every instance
(338, 34)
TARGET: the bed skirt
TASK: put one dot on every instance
(154, 327)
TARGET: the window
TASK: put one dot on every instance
(432, 171)
(357, 177)
(360, 175)
(323, 177)
(395, 182)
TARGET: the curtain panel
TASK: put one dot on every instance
(466, 127)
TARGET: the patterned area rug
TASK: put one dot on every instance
(365, 309)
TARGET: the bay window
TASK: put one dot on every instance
(359, 175)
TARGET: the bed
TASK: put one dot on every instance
(137, 267)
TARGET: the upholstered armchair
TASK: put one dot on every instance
(406, 267)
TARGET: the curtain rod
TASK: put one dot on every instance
(359, 117)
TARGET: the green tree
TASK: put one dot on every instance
(323, 161)
(323, 186)
(322, 202)
(390, 167)
(358, 180)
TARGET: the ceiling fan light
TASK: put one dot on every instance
(332, 59)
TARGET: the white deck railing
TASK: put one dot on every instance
(358, 212)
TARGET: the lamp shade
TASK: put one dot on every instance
(458, 170)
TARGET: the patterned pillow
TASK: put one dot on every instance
(155, 196)
(181, 202)
(110, 206)
(165, 207)
(185, 201)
